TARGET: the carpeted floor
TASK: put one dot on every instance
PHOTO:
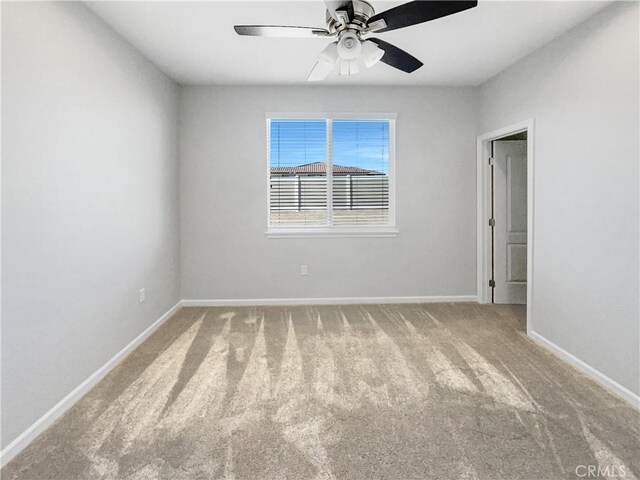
(438, 391)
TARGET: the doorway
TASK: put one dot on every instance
(505, 216)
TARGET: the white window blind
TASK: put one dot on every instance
(360, 172)
(330, 174)
(298, 172)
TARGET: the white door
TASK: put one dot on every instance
(510, 214)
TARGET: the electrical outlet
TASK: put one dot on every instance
(304, 270)
(142, 294)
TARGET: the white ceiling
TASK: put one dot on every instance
(194, 42)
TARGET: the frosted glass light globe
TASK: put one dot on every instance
(349, 46)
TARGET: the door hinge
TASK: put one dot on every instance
(492, 283)
(492, 222)
(491, 161)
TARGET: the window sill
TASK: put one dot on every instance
(332, 232)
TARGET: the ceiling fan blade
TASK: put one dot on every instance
(319, 72)
(281, 31)
(419, 11)
(339, 5)
(396, 57)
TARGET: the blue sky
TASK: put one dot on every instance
(363, 144)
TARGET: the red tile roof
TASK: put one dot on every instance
(320, 168)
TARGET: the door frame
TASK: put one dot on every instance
(484, 212)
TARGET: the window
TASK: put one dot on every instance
(331, 176)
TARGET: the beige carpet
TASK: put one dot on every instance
(440, 391)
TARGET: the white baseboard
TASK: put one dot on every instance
(611, 385)
(26, 437)
(235, 302)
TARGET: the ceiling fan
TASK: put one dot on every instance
(351, 22)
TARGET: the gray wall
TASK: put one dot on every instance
(582, 91)
(89, 202)
(225, 253)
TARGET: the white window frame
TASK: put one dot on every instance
(330, 230)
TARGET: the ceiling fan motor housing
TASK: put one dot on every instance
(354, 18)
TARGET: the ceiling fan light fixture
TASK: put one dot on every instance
(326, 63)
(349, 46)
(343, 67)
(329, 55)
(371, 53)
(348, 67)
